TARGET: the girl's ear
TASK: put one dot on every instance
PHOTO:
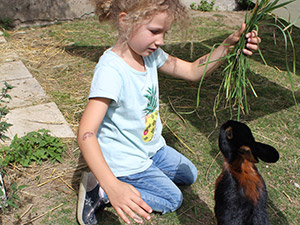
(122, 20)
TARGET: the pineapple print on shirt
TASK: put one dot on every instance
(151, 114)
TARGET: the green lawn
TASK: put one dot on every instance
(62, 58)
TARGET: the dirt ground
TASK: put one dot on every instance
(52, 188)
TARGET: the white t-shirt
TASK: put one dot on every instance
(130, 133)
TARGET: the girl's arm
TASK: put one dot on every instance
(193, 72)
(122, 196)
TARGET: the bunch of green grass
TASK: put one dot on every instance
(233, 88)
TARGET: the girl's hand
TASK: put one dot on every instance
(127, 200)
(252, 40)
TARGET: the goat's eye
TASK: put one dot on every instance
(229, 133)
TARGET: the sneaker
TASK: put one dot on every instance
(89, 202)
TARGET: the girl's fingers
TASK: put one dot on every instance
(252, 34)
(247, 52)
(135, 209)
(122, 215)
(130, 213)
(252, 47)
(253, 38)
(140, 202)
(139, 206)
(134, 212)
(137, 219)
(241, 31)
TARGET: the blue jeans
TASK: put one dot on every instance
(158, 184)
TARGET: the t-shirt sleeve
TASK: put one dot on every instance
(160, 57)
(106, 83)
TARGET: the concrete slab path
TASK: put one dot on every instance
(43, 116)
(29, 108)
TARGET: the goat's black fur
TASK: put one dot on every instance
(241, 194)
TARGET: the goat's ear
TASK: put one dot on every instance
(266, 152)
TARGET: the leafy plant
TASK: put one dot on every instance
(204, 6)
(3, 111)
(6, 23)
(3, 128)
(12, 198)
(233, 88)
(36, 146)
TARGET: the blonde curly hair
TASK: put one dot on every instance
(139, 11)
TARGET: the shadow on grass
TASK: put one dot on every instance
(272, 98)
(194, 210)
(91, 53)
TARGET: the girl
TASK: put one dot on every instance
(119, 134)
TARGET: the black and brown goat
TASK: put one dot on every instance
(241, 194)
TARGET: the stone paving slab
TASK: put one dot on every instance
(28, 110)
(7, 54)
(43, 116)
(2, 39)
(25, 92)
(8, 57)
(13, 71)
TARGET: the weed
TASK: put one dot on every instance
(3, 111)
(6, 23)
(204, 6)
(13, 197)
(3, 128)
(36, 146)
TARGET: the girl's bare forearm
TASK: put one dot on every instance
(94, 158)
(209, 62)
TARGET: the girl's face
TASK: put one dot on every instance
(148, 36)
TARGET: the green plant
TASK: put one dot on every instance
(12, 198)
(3, 128)
(6, 23)
(3, 111)
(204, 6)
(36, 146)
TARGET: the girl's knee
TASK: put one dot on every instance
(189, 175)
(175, 201)
(179, 202)
(194, 175)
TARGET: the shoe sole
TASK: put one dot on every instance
(81, 197)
